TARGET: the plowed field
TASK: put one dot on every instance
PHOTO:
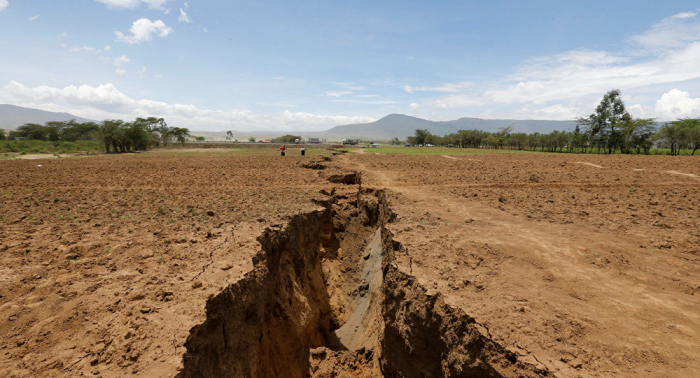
(107, 261)
(523, 265)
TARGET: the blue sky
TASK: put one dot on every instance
(311, 65)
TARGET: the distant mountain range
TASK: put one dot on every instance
(12, 116)
(387, 128)
(401, 126)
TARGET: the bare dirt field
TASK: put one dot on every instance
(224, 264)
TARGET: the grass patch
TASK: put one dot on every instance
(48, 147)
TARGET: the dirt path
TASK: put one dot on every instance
(581, 301)
(682, 174)
(589, 164)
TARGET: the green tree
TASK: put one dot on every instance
(588, 132)
(576, 139)
(79, 131)
(289, 138)
(180, 134)
(138, 135)
(683, 133)
(33, 131)
(692, 132)
(420, 136)
(608, 119)
(3, 134)
(433, 139)
(452, 139)
(517, 140)
(110, 133)
(637, 134)
(229, 136)
(251, 139)
(533, 141)
(669, 137)
(57, 128)
(157, 128)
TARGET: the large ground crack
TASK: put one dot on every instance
(325, 300)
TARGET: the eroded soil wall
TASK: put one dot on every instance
(265, 324)
(425, 337)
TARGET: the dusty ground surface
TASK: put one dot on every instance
(587, 265)
(43, 156)
(107, 261)
(579, 265)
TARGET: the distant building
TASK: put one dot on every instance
(314, 140)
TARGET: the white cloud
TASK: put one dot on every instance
(349, 85)
(106, 101)
(670, 33)
(365, 102)
(60, 35)
(336, 93)
(119, 64)
(131, 4)
(142, 31)
(566, 111)
(3, 4)
(183, 17)
(579, 57)
(685, 15)
(571, 80)
(677, 104)
(414, 106)
(33, 18)
(440, 105)
(448, 87)
(89, 49)
(569, 84)
(120, 61)
(183, 14)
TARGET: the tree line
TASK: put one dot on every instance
(116, 135)
(610, 129)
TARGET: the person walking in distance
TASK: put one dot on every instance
(303, 151)
(282, 149)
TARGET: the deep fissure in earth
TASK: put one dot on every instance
(326, 300)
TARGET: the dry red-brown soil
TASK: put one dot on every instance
(351, 265)
(107, 261)
(587, 265)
